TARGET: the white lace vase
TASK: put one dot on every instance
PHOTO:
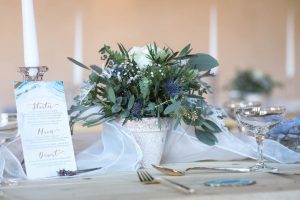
(150, 138)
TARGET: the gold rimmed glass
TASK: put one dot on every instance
(259, 120)
(232, 106)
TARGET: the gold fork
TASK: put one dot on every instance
(146, 178)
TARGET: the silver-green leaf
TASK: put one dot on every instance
(172, 107)
(206, 137)
(111, 95)
(78, 63)
(116, 108)
(203, 62)
(97, 69)
(130, 102)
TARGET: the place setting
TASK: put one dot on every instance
(141, 120)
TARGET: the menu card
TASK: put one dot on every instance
(44, 127)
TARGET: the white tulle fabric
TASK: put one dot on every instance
(10, 166)
(115, 149)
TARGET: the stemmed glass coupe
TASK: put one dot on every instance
(259, 120)
(8, 133)
(232, 106)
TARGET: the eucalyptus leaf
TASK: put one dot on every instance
(197, 122)
(78, 63)
(209, 125)
(203, 62)
(172, 107)
(111, 95)
(125, 114)
(151, 106)
(119, 100)
(94, 77)
(93, 121)
(116, 108)
(206, 137)
(96, 69)
(131, 102)
(104, 119)
(75, 108)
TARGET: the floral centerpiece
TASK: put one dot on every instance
(253, 81)
(148, 82)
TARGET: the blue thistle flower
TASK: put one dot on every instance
(136, 110)
(173, 88)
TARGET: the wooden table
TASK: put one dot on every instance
(125, 185)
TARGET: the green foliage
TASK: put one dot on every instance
(150, 82)
(130, 102)
(172, 107)
(78, 63)
(253, 81)
(144, 87)
(203, 62)
(111, 95)
(206, 137)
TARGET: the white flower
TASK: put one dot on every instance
(257, 75)
(139, 55)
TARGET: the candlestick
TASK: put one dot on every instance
(33, 73)
(31, 55)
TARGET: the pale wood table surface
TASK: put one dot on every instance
(125, 185)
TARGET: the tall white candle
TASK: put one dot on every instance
(213, 33)
(213, 46)
(290, 45)
(31, 53)
(77, 71)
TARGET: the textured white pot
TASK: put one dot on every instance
(150, 138)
